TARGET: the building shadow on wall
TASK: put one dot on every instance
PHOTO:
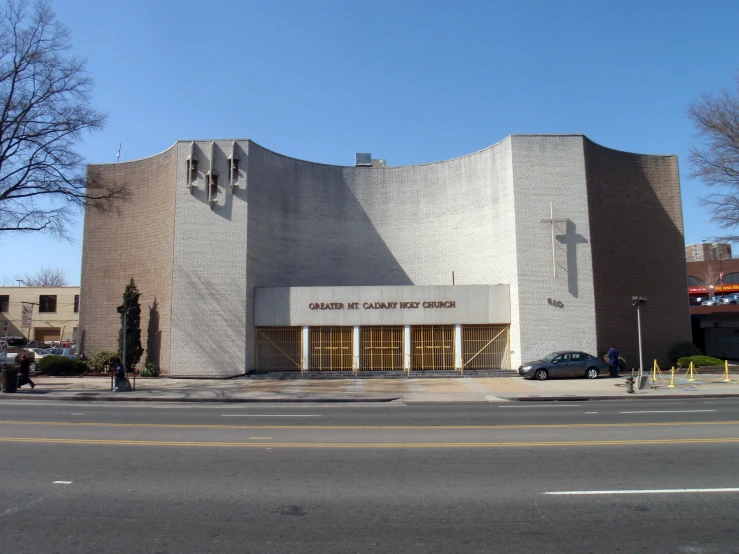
(570, 240)
(215, 333)
(153, 335)
(81, 347)
(306, 227)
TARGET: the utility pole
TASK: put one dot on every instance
(124, 310)
(638, 302)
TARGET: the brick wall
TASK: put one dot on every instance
(638, 250)
(136, 242)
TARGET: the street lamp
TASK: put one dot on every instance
(123, 310)
(638, 302)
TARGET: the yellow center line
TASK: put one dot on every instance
(112, 442)
(368, 427)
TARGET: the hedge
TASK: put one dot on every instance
(59, 365)
(101, 359)
(700, 361)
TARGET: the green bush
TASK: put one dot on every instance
(55, 365)
(100, 360)
(79, 367)
(683, 350)
(700, 361)
(149, 370)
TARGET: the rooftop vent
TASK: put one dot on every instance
(363, 160)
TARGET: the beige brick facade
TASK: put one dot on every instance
(200, 251)
(136, 242)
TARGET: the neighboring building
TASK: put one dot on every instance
(704, 252)
(51, 313)
(715, 328)
(247, 259)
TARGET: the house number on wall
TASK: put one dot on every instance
(555, 303)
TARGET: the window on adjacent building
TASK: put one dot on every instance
(695, 281)
(4, 303)
(76, 303)
(47, 303)
(731, 279)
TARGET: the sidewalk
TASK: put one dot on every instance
(482, 389)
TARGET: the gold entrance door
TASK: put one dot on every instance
(432, 347)
(330, 348)
(381, 348)
(485, 347)
(278, 348)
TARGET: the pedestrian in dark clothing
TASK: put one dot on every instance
(25, 374)
(613, 361)
(120, 378)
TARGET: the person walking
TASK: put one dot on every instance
(25, 374)
(613, 361)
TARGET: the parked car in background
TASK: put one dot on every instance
(13, 357)
(564, 364)
(712, 301)
(66, 352)
(730, 299)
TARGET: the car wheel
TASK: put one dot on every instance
(591, 373)
(33, 366)
(541, 374)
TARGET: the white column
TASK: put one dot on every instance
(407, 347)
(306, 348)
(355, 352)
(458, 347)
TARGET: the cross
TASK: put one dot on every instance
(552, 221)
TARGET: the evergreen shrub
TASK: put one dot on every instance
(683, 350)
(102, 359)
(700, 361)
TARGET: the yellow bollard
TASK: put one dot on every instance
(726, 365)
(692, 371)
(672, 379)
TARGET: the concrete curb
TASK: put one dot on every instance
(628, 397)
(120, 397)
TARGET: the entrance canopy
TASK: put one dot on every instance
(401, 305)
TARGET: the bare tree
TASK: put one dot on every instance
(45, 109)
(715, 159)
(45, 277)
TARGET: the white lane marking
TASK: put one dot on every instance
(260, 438)
(547, 406)
(62, 483)
(666, 411)
(591, 412)
(268, 415)
(75, 413)
(653, 491)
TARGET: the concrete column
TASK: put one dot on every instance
(407, 347)
(355, 351)
(306, 348)
(458, 347)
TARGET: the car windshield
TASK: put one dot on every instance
(550, 357)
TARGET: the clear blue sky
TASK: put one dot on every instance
(411, 82)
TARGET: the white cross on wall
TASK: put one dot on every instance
(552, 221)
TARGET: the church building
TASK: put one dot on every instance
(247, 259)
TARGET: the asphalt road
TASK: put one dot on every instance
(626, 476)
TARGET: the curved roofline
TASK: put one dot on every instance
(388, 167)
(138, 159)
(508, 137)
(627, 151)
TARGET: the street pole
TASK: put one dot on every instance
(641, 355)
(125, 367)
(638, 302)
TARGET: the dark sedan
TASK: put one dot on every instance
(564, 364)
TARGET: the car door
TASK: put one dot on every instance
(578, 361)
(560, 366)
